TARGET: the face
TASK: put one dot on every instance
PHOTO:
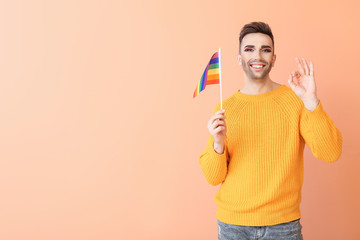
(256, 55)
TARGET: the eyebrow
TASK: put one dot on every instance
(262, 46)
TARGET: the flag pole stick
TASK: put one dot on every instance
(220, 78)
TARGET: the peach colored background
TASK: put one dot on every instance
(100, 135)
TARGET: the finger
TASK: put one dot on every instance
(215, 118)
(295, 77)
(305, 66)
(219, 129)
(218, 116)
(295, 74)
(290, 81)
(300, 66)
(217, 124)
(221, 111)
(311, 69)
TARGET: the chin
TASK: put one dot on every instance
(257, 77)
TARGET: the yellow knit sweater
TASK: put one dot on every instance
(261, 169)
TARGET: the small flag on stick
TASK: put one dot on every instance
(211, 75)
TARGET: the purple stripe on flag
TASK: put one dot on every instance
(204, 79)
(214, 60)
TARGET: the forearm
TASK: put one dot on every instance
(213, 164)
(321, 134)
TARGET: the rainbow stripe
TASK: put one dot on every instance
(210, 76)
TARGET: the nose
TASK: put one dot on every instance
(257, 54)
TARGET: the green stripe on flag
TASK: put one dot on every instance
(214, 65)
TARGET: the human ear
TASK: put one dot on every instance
(273, 60)
(239, 59)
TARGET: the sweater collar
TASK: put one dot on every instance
(262, 96)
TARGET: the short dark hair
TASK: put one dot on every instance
(255, 27)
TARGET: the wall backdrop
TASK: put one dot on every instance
(100, 135)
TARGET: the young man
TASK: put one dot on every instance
(257, 152)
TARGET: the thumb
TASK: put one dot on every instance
(292, 85)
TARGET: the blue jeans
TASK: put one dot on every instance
(284, 231)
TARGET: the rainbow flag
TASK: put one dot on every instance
(211, 74)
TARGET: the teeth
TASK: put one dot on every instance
(257, 66)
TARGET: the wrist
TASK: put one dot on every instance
(219, 148)
(311, 103)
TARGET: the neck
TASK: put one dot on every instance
(258, 86)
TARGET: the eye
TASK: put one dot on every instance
(267, 50)
(248, 49)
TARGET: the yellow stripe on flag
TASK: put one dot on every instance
(213, 71)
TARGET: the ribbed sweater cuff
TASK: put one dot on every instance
(216, 159)
(215, 165)
(317, 115)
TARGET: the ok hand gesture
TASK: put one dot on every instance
(302, 82)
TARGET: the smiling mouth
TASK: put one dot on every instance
(257, 67)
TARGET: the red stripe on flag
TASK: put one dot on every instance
(213, 81)
(215, 55)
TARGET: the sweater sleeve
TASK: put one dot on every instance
(320, 134)
(214, 165)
